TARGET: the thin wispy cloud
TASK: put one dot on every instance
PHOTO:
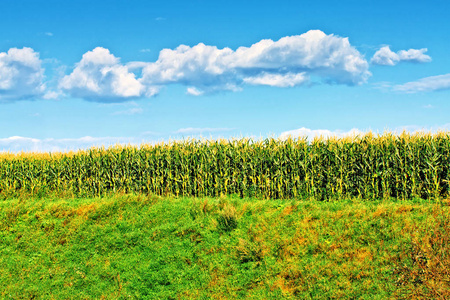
(194, 131)
(194, 91)
(130, 103)
(129, 112)
(52, 95)
(384, 86)
(151, 133)
(427, 84)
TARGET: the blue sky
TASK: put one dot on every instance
(74, 74)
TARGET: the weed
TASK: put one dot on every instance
(227, 219)
(424, 272)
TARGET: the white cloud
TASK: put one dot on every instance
(427, 84)
(314, 52)
(21, 75)
(52, 95)
(385, 57)
(194, 91)
(18, 144)
(283, 63)
(310, 134)
(288, 62)
(291, 61)
(145, 50)
(201, 66)
(100, 77)
(414, 55)
(278, 80)
(48, 33)
(384, 86)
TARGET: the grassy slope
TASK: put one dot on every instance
(130, 246)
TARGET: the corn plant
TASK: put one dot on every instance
(368, 166)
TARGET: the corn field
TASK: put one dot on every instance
(370, 166)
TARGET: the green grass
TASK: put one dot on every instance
(148, 247)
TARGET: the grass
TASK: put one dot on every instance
(148, 247)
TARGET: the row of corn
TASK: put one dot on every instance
(370, 166)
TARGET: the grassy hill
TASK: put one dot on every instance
(149, 247)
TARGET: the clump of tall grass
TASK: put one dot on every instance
(369, 166)
(425, 272)
(227, 219)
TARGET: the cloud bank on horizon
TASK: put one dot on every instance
(18, 144)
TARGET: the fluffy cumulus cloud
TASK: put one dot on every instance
(200, 67)
(312, 57)
(288, 62)
(21, 75)
(100, 76)
(386, 57)
(427, 84)
(313, 53)
(310, 134)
